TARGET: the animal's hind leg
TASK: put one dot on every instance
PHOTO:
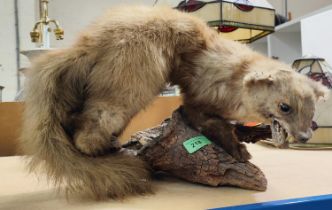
(98, 126)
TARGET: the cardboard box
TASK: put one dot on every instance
(10, 126)
(11, 116)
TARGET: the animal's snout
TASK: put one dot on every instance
(303, 137)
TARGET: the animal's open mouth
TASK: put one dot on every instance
(279, 134)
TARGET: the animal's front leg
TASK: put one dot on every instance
(223, 133)
(219, 131)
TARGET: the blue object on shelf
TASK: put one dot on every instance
(322, 202)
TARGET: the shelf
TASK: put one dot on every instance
(302, 36)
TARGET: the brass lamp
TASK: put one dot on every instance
(238, 20)
(41, 29)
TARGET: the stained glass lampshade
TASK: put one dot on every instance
(243, 20)
(316, 68)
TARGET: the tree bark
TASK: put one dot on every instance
(162, 148)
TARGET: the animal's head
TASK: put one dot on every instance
(278, 95)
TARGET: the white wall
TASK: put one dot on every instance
(260, 46)
(28, 14)
(299, 8)
(285, 44)
(74, 15)
(317, 35)
(7, 49)
(8, 71)
(278, 5)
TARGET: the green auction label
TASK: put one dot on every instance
(194, 144)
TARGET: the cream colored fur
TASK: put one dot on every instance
(80, 99)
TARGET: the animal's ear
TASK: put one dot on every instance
(321, 91)
(254, 78)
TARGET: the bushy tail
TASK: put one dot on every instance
(48, 99)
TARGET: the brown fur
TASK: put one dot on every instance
(80, 99)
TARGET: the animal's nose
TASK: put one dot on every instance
(304, 137)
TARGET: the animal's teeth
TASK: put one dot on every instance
(279, 134)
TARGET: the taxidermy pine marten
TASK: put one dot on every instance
(78, 100)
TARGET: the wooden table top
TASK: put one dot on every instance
(290, 174)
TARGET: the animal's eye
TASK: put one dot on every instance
(285, 108)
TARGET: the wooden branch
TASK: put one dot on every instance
(162, 148)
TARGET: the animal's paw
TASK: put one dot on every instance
(94, 143)
(241, 153)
